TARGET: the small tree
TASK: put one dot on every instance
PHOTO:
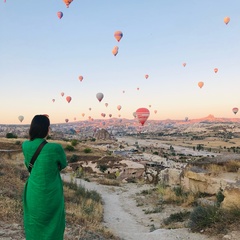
(74, 142)
(11, 135)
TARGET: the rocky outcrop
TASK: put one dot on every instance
(231, 197)
(102, 134)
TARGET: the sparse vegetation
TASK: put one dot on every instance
(69, 148)
(11, 135)
(87, 150)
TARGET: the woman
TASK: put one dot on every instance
(44, 212)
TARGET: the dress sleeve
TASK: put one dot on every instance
(62, 159)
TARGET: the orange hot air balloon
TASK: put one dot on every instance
(80, 78)
(66, 120)
(60, 15)
(119, 107)
(142, 115)
(67, 2)
(226, 20)
(53, 100)
(200, 84)
(69, 99)
(115, 50)
(155, 111)
(99, 96)
(184, 64)
(235, 110)
(62, 94)
(106, 104)
(215, 70)
(83, 114)
(118, 35)
(146, 76)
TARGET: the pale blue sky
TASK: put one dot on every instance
(42, 56)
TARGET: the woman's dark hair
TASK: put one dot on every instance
(39, 127)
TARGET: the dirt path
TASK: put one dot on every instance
(126, 220)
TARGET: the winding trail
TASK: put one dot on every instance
(125, 219)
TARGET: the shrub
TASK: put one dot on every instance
(74, 142)
(74, 158)
(177, 217)
(11, 135)
(203, 217)
(87, 150)
(102, 167)
(155, 153)
(69, 148)
(18, 143)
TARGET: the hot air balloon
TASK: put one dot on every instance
(106, 104)
(99, 96)
(215, 70)
(184, 64)
(68, 98)
(62, 94)
(119, 115)
(67, 2)
(75, 119)
(118, 35)
(53, 100)
(226, 20)
(155, 111)
(138, 88)
(89, 109)
(150, 105)
(123, 91)
(20, 118)
(60, 15)
(83, 114)
(66, 120)
(110, 115)
(200, 84)
(235, 110)
(80, 78)
(115, 50)
(142, 115)
(119, 107)
(146, 76)
(186, 119)
(103, 114)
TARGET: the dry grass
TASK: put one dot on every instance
(84, 211)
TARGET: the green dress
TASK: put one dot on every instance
(44, 211)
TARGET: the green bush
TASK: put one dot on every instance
(18, 143)
(11, 135)
(203, 217)
(74, 142)
(87, 150)
(177, 217)
(102, 167)
(74, 158)
(69, 148)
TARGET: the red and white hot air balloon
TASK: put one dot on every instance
(235, 110)
(69, 99)
(142, 115)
